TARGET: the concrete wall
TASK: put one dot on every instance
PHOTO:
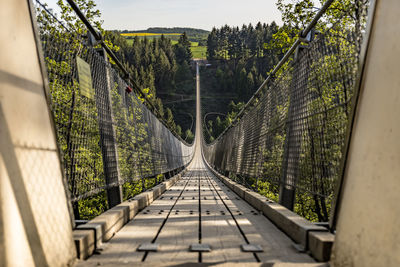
(369, 217)
(35, 225)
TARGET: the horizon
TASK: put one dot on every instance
(181, 27)
(160, 27)
(139, 15)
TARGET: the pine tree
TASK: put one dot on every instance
(212, 44)
(182, 50)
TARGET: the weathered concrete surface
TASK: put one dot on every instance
(320, 244)
(369, 216)
(35, 225)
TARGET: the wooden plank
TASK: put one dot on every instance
(122, 247)
(220, 231)
(180, 230)
(261, 231)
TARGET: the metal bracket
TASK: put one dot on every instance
(153, 247)
(200, 248)
(251, 248)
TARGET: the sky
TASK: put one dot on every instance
(201, 14)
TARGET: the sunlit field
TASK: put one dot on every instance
(142, 34)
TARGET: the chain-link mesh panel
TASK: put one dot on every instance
(288, 143)
(107, 136)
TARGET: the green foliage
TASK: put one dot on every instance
(129, 189)
(169, 118)
(215, 128)
(297, 14)
(76, 116)
(268, 190)
(245, 43)
(199, 51)
(92, 206)
(159, 67)
(239, 61)
(189, 136)
(194, 35)
(325, 85)
(182, 50)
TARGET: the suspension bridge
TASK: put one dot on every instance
(305, 175)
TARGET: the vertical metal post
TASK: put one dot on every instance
(257, 187)
(287, 194)
(108, 139)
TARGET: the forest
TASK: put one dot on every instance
(161, 68)
(239, 59)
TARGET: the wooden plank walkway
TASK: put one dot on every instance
(198, 209)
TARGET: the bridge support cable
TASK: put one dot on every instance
(287, 141)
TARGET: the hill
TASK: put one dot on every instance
(189, 31)
(194, 35)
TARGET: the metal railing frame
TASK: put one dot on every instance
(302, 35)
(113, 187)
(303, 38)
(100, 39)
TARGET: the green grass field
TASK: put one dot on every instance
(148, 34)
(197, 51)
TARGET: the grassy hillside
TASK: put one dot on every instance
(199, 51)
(195, 36)
(148, 34)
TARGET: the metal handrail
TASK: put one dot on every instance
(302, 34)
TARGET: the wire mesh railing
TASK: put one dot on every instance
(287, 142)
(113, 146)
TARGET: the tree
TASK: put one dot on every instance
(169, 119)
(297, 14)
(250, 84)
(212, 44)
(182, 50)
(189, 136)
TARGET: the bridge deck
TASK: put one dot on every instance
(198, 209)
